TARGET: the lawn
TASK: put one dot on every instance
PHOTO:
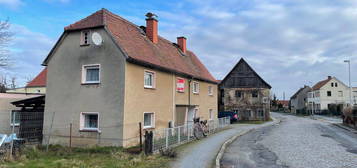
(95, 157)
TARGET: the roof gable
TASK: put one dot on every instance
(299, 91)
(39, 80)
(323, 83)
(243, 76)
(131, 39)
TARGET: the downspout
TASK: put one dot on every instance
(173, 99)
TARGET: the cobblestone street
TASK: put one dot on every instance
(296, 142)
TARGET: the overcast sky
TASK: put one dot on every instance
(289, 43)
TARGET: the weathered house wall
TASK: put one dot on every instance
(237, 90)
(299, 100)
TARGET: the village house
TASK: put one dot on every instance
(105, 75)
(245, 92)
(37, 85)
(328, 96)
(298, 102)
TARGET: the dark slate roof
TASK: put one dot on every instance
(301, 89)
(242, 62)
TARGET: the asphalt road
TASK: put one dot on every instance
(296, 142)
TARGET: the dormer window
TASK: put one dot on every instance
(85, 34)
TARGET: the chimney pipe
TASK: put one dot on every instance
(328, 77)
(181, 42)
(151, 27)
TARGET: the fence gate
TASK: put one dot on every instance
(148, 142)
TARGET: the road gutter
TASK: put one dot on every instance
(230, 140)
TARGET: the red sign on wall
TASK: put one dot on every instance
(180, 85)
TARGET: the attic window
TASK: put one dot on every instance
(85, 34)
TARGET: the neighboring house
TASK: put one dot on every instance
(6, 111)
(283, 104)
(37, 85)
(328, 96)
(106, 75)
(298, 102)
(245, 92)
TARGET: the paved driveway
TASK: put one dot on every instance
(202, 154)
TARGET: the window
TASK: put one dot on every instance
(317, 94)
(255, 93)
(331, 84)
(149, 79)
(91, 74)
(149, 120)
(196, 87)
(329, 93)
(89, 121)
(340, 94)
(85, 37)
(210, 111)
(210, 90)
(239, 93)
(15, 118)
(335, 84)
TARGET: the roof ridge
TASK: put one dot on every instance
(84, 19)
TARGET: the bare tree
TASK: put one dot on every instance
(5, 38)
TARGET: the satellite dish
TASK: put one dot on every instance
(97, 39)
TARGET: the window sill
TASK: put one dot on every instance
(82, 45)
(94, 83)
(148, 127)
(149, 87)
(196, 93)
(89, 130)
(16, 125)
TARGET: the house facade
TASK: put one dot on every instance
(298, 102)
(106, 75)
(328, 96)
(245, 92)
(36, 86)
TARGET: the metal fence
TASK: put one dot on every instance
(171, 137)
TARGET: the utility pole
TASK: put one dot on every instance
(349, 78)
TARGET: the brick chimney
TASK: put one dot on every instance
(151, 27)
(181, 42)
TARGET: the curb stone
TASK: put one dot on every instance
(230, 140)
(346, 128)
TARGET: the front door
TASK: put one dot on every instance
(191, 114)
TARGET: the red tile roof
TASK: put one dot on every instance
(139, 49)
(39, 80)
(283, 102)
(318, 85)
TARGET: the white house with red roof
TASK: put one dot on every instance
(329, 95)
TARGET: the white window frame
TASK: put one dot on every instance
(11, 119)
(88, 38)
(153, 79)
(340, 93)
(152, 120)
(82, 121)
(210, 112)
(84, 74)
(210, 90)
(194, 90)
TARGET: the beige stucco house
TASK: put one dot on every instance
(105, 75)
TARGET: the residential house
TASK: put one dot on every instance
(298, 102)
(354, 95)
(328, 96)
(106, 75)
(283, 105)
(37, 85)
(245, 92)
